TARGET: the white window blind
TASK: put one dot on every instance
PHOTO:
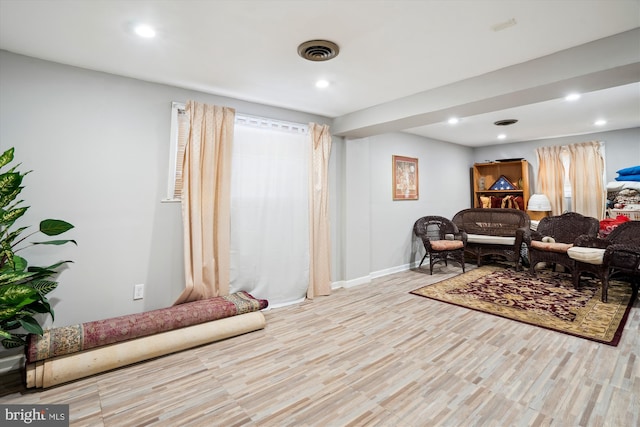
(180, 134)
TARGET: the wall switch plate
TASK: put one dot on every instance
(138, 291)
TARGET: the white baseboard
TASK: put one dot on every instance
(11, 363)
(337, 285)
(392, 270)
(357, 282)
(367, 279)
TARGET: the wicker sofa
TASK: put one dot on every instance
(494, 231)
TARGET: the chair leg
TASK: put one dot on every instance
(532, 270)
(423, 258)
(605, 286)
(458, 257)
(575, 276)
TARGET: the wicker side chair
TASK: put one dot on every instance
(441, 239)
(619, 252)
(563, 230)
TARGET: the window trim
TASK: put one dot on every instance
(176, 108)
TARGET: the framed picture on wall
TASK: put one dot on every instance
(405, 178)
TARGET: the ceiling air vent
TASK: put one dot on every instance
(318, 50)
(505, 122)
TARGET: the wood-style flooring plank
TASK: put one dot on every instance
(371, 355)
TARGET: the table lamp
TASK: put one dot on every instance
(538, 207)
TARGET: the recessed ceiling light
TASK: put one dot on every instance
(144, 30)
(600, 122)
(453, 120)
(572, 97)
(322, 84)
(502, 136)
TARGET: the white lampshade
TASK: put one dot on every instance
(539, 203)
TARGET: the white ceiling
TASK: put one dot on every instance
(394, 55)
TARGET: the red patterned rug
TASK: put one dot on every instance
(549, 300)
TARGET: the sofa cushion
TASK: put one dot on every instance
(491, 240)
(586, 255)
(551, 246)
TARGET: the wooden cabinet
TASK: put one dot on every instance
(486, 174)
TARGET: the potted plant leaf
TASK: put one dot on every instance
(23, 288)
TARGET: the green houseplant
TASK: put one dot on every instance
(23, 288)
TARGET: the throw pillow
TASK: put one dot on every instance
(633, 170)
(628, 177)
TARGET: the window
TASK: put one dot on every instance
(269, 230)
(180, 134)
(565, 156)
(178, 140)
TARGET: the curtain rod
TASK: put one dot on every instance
(258, 121)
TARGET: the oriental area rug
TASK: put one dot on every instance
(549, 300)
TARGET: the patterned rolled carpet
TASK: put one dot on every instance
(549, 301)
(72, 352)
(72, 339)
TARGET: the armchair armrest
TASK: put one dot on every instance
(622, 255)
(536, 235)
(587, 241)
(425, 241)
(458, 235)
(523, 235)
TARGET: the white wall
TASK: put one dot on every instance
(622, 149)
(444, 190)
(98, 145)
(378, 230)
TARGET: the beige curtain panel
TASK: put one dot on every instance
(551, 177)
(206, 180)
(586, 172)
(319, 226)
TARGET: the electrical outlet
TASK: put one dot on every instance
(138, 291)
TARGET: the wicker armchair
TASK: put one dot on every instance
(618, 252)
(441, 239)
(563, 230)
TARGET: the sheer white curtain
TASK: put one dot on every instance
(586, 172)
(270, 214)
(551, 177)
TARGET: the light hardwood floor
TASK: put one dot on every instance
(371, 355)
